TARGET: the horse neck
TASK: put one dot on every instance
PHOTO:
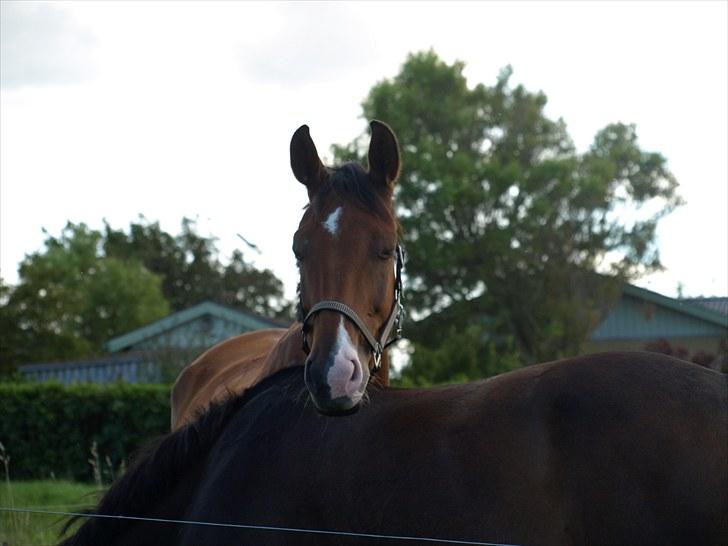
(162, 482)
(157, 485)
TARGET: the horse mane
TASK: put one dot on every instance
(158, 468)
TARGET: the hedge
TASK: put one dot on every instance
(49, 429)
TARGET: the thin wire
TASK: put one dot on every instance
(263, 527)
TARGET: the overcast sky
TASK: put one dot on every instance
(111, 110)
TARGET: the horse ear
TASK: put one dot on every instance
(305, 162)
(383, 153)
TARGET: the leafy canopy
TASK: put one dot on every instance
(505, 224)
(87, 286)
(71, 299)
(192, 271)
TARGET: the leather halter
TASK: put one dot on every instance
(394, 322)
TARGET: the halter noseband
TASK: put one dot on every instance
(394, 322)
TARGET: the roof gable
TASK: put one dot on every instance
(246, 321)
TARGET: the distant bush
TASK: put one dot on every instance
(701, 358)
(49, 429)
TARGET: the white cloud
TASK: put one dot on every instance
(41, 44)
(192, 106)
(309, 42)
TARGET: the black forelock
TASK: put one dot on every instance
(351, 181)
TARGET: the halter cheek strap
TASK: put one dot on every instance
(394, 322)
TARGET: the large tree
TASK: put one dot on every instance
(506, 226)
(70, 299)
(192, 270)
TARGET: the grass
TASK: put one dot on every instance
(24, 529)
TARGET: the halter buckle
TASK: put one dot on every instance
(377, 361)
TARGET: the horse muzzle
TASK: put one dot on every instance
(337, 384)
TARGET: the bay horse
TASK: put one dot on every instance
(613, 448)
(605, 449)
(350, 262)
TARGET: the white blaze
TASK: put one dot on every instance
(346, 374)
(332, 222)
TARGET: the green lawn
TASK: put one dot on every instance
(23, 529)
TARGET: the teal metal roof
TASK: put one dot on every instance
(246, 321)
(718, 304)
(643, 314)
(686, 307)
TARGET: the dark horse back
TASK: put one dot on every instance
(620, 448)
(640, 442)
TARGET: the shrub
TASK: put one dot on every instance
(49, 429)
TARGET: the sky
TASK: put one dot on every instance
(168, 110)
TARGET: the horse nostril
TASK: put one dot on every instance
(356, 373)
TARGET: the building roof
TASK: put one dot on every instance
(246, 321)
(716, 304)
(689, 307)
(643, 314)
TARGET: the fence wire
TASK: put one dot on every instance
(262, 527)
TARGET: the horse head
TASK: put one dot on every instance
(349, 260)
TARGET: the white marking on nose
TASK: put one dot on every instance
(332, 222)
(345, 374)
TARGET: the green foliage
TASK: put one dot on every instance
(502, 218)
(192, 272)
(463, 355)
(71, 299)
(49, 429)
(13, 339)
(86, 287)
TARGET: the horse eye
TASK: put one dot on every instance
(386, 254)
